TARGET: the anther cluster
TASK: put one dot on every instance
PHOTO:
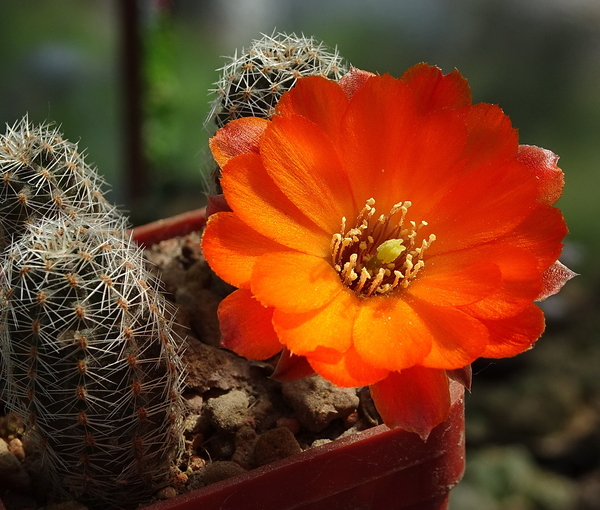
(377, 255)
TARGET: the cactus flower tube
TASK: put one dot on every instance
(385, 232)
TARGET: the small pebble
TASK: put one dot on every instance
(194, 402)
(289, 423)
(166, 493)
(195, 463)
(15, 446)
(221, 470)
(179, 480)
(245, 439)
(275, 444)
(318, 402)
(228, 412)
(320, 442)
(12, 473)
(220, 447)
(351, 419)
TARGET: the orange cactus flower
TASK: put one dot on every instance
(385, 232)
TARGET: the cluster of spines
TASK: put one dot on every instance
(251, 84)
(42, 175)
(91, 361)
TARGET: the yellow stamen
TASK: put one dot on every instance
(378, 256)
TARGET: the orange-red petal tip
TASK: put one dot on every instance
(291, 367)
(462, 375)
(416, 399)
(217, 203)
(237, 137)
(543, 163)
(553, 280)
(246, 326)
(353, 80)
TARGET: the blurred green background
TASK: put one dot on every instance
(533, 422)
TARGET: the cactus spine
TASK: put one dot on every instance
(251, 84)
(87, 351)
(42, 175)
(93, 366)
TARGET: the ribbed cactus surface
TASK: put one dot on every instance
(91, 361)
(251, 84)
(42, 175)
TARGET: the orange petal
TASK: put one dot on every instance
(369, 135)
(389, 334)
(347, 369)
(392, 154)
(426, 161)
(521, 281)
(416, 399)
(553, 280)
(434, 90)
(353, 80)
(291, 367)
(491, 137)
(458, 339)
(232, 248)
(303, 163)
(319, 100)
(482, 206)
(453, 280)
(329, 326)
(259, 203)
(237, 137)
(513, 335)
(542, 162)
(294, 282)
(246, 326)
(539, 234)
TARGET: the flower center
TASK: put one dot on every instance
(377, 256)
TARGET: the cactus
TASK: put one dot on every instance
(91, 361)
(42, 175)
(251, 84)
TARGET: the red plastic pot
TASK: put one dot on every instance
(377, 469)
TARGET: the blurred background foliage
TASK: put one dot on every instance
(533, 422)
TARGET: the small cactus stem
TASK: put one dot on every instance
(252, 82)
(42, 175)
(91, 361)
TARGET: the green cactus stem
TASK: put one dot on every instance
(91, 361)
(252, 83)
(42, 175)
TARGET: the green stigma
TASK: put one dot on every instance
(387, 252)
